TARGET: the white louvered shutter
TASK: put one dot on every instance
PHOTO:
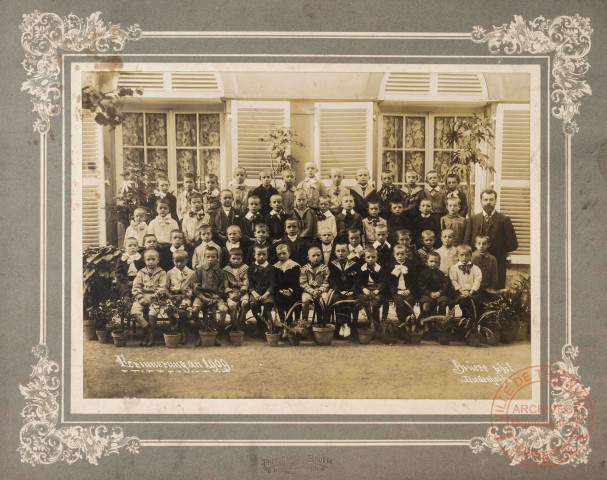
(343, 137)
(250, 122)
(512, 177)
(93, 185)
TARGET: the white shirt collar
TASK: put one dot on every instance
(263, 265)
(287, 265)
(293, 239)
(376, 244)
(249, 215)
(345, 212)
(230, 246)
(328, 214)
(357, 249)
(364, 268)
(435, 189)
(173, 249)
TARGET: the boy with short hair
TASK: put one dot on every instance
(433, 287)
(372, 222)
(426, 220)
(209, 284)
(262, 282)
(388, 193)
(434, 193)
(150, 242)
(240, 191)
(238, 287)
(397, 220)
(183, 206)
(162, 182)
(166, 255)
(253, 217)
(287, 283)
(428, 241)
(452, 183)
(326, 246)
(402, 282)
(371, 286)
(225, 216)
(465, 277)
(343, 278)
(412, 193)
(487, 264)
(336, 191)
(362, 192)
(262, 241)
(306, 218)
(194, 220)
(313, 280)
(355, 248)
(129, 264)
(138, 228)
(234, 240)
(163, 224)
(287, 191)
(179, 283)
(149, 280)
(384, 257)
(325, 218)
(206, 242)
(298, 245)
(448, 252)
(454, 221)
(275, 219)
(311, 185)
(265, 191)
(348, 218)
(210, 195)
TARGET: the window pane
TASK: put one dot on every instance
(394, 161)
(132, 155)
(210, 161)
(156, 129)
(393, 132)
(442, 127)
(186, 163)
(132, 129)
(415, 136)
(209, 130)
(415, 161)
(442, 162)
(185, 126)
(157, 157)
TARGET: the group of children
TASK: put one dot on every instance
(240, 249)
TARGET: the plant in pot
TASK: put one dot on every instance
(490, 328)
(369, 303)
(467, 134)
(413, 327)
(443, 326)
(163, 302)
(208, 326)
(97, 267)
(274, 329)
(468, 323)
(326, 313)
(100, 316)
(120, 311)
(520, 292)
(236, 327)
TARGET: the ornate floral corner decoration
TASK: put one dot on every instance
(560, 443)
(41, 442)
(568, 38)
(43, 35)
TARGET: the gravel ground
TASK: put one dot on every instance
(254, 370)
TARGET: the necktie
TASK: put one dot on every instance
(466, 268)
(240, 187)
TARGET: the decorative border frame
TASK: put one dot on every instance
(44, 35)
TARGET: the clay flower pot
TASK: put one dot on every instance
(236, 338)
(323, 335)
(171, 340)
(207, 338)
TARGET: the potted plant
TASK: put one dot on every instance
(163, 302)
(279, 140)
(520, 292)
(325, 317)
(391, 330)
(274, 331)
(295, 331)
(119, 310)
(465, 135)
(208, 330)
(490, 328)
(470, 326)
(443, 326)
(365, 328)
(100, 316)
(97, 267)
(413, 327)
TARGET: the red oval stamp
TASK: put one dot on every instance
(542, 435)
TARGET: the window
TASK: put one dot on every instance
(174, 142)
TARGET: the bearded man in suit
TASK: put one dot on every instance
(499, 229)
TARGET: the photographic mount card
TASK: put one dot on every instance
(560, 45)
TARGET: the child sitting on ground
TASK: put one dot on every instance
(206, 242)
(287, 284)
(179, 283)
(312, 186)
(149, 280)
(372, 222)
(209, 284)
(313, 280)
(138, 228)
(262, 283)
(238, 288)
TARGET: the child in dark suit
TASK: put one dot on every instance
(355, 248)
(128, 266)
(166, 254)
(265, 191)
(262, 283)
(343, 278)
(388, 193)
(275, 220)
(297, 245)
(253, 216)
(348, 218)
(453, 191)
(426, 220)
(162, 181)
(434, 287)
(434, 193)
(488, 266)
(305, 216)
(224, 217)
(371, 286)
(362, 192)
(261, 240)
(234, 240)
(411, 194)
(402, 282)
(397, 220)
(288, 290)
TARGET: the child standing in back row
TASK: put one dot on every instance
(311, 185)
(240, 191)
(265, 191)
